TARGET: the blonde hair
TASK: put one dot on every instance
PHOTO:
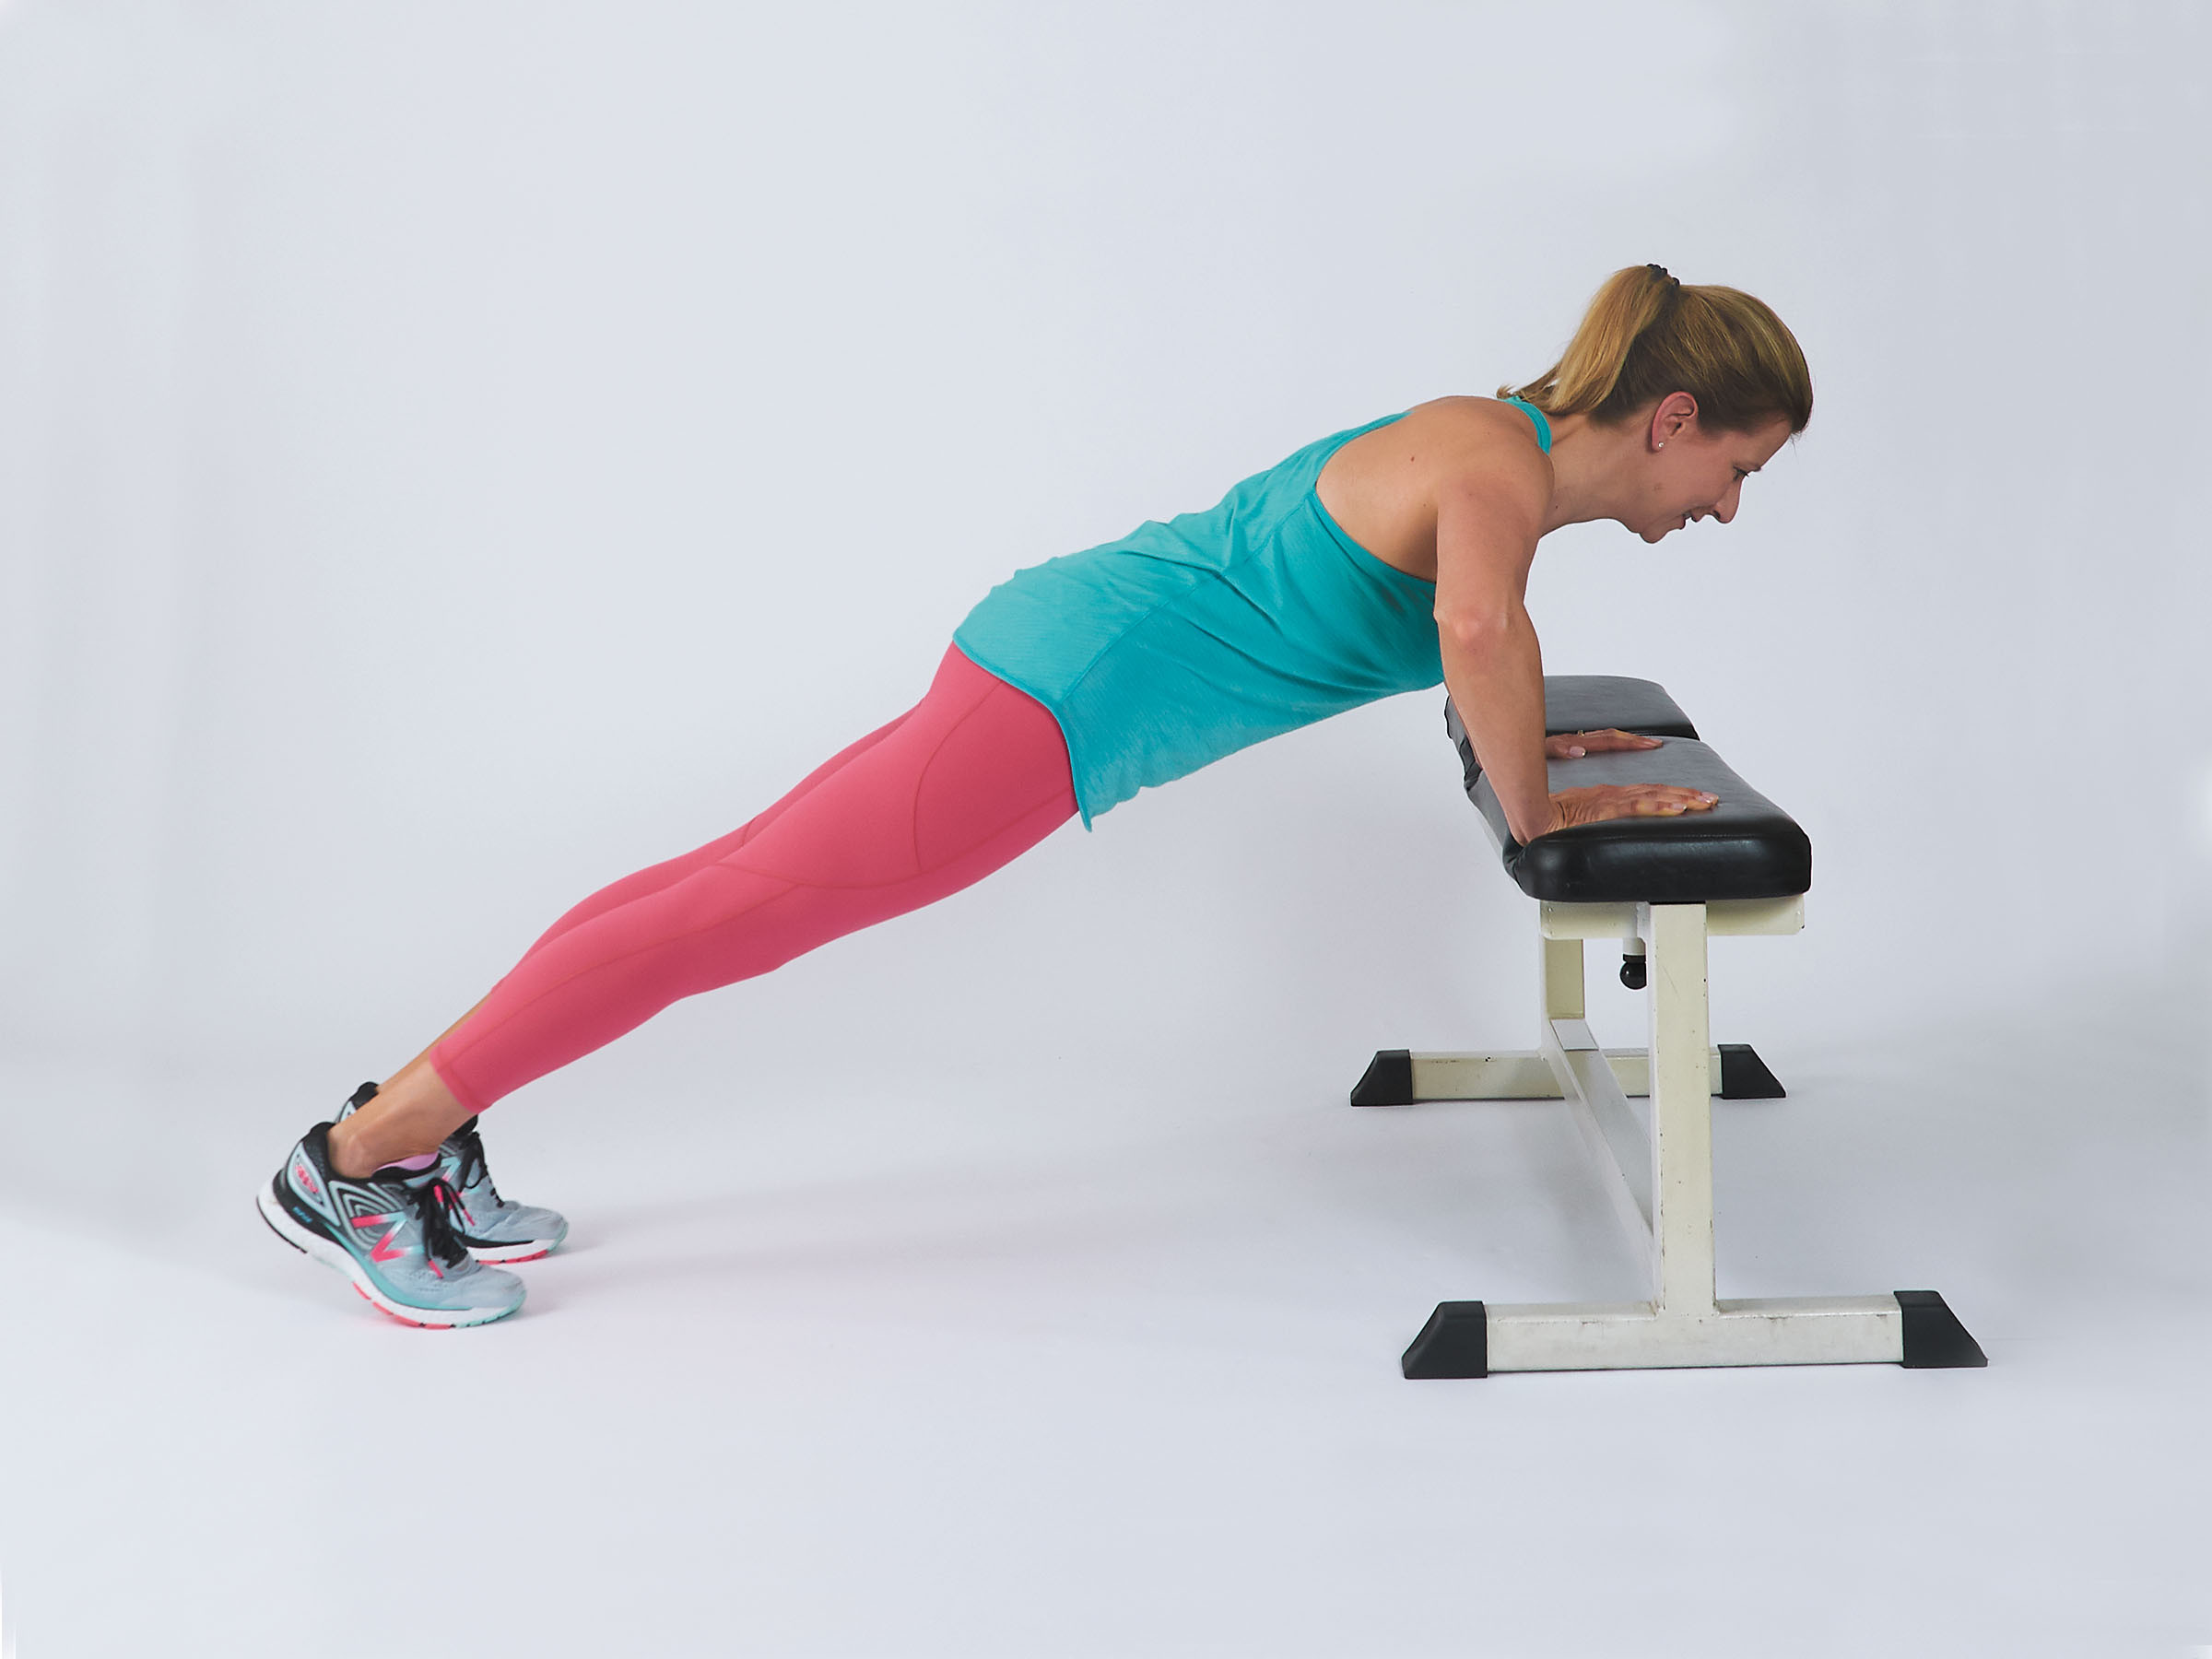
(1645, 334)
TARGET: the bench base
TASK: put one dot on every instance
(1404, 1077)
(1912, 1328)
(1656, 1166)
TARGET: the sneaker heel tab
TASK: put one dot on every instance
(361, 1097)
(315, 1143)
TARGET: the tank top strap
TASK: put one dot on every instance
(1536, 415)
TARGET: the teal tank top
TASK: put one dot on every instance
(1187, 640)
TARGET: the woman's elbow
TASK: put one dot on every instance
(1475, 630)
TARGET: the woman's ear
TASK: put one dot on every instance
(1675, 412)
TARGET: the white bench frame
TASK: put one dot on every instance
(1659, 1177)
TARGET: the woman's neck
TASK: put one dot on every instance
(1589, 464)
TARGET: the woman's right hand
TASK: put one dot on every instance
(1603, 801)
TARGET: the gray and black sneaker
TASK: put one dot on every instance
(391, 1234)
(494, 1228)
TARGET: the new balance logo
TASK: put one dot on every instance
(383, 1251)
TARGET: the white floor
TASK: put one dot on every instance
(991, 1362)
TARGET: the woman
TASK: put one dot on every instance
(1377, 560)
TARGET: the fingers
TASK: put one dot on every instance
(1628, 800)
(1613, 738)
(1573, 745)
(1668, 801)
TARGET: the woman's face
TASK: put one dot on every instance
(1693, 473)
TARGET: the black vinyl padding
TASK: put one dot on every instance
(1588, 702)
(1592, 702)
(1745, 848)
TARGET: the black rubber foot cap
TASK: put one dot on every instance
(1745, 1076)
(1454, 1343)
(1388, 1080)
(1934, 1340)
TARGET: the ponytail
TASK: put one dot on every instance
(1645, 336)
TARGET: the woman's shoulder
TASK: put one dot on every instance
(1386, 488)
(1453, 440)
(1476, 423)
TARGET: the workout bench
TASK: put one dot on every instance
(1661, 886)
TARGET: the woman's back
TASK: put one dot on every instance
(1193, 637)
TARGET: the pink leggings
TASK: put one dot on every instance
(972, 776)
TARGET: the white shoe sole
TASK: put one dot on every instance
(529, 1250)
(314, 1245)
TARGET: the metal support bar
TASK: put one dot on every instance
(1681, 1108)
(1610, 1130)
(1803, 1330)
(1725, 918)
(1562, 968)
(1525, 1075)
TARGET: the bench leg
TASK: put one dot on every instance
(1660, 1174)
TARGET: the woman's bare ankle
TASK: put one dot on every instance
(350, 1156)
(408, 1117)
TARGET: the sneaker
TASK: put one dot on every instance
(492, 1228)
(390, 1234)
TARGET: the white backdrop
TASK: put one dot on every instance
(451, 456)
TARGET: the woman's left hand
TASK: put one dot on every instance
(1573, 745)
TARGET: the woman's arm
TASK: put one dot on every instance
(1488, 518)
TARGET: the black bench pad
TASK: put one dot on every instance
(1592, 702)
(1589, 702)
(1745, 848)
